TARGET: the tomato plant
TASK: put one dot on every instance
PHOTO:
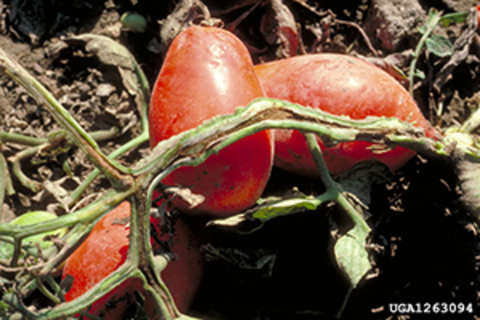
(105, 249)
(208, 72)
(341, 85)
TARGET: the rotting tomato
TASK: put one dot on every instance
(341, 85)
(105, 249)
(208, 72)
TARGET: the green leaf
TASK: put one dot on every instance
(285, 207)
(6, 249)
(351, 254)
(268, 209)
(455, 17)
(439, 45)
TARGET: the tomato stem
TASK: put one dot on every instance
(333, 189)
(76, 194)
(113, 171)
(140, 252)
(317, 155)
(194, 147)
(6, 185)
(432, 22)
(338, 195)
(46, 292)
(144, 93)
(21, 139)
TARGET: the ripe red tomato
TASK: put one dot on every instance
(478, 17)
(105, 249)
(208, 72)
(341, 85)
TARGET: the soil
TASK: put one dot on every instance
(424, 245)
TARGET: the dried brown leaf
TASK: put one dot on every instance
(186, 13)
(186, 194)
(461, 49)
(278, 25)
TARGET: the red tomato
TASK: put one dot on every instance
(105, 249)
(208, 72)
(478, 17)
(341, 85)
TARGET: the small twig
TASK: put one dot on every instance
(235, 23)
(362, 33)
(352, 24)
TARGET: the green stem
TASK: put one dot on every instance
(12, 300)
(55, 287)
(140, 251)
(432, 22)
(137, 141)
(76, 194)
(21, 139)
(119, 276)
(104, 135)
(85, 215)
(44, 290)
(195, 146)
(337, 194)
(50, 143)
(33, 185)
(71, 239)
(5, 182)
(333, 189)
(317, 155)
(7, 137)
(113, 171)
(145, 92)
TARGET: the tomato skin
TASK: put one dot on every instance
(478, 17)
(105, 249)
(208, 72)
(341, 85)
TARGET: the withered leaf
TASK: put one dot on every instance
(278, 25)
